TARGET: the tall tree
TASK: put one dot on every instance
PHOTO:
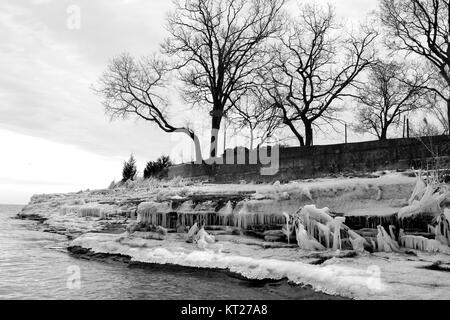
(392, 89)
(131, 87)
(217, 46)
(421, 27)
(314, 67)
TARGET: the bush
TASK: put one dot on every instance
(157, 169)
(129, 169)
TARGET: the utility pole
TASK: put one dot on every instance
(407, 127)
(346, 134)
(404, 126)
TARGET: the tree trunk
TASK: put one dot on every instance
(448, 115)
(295, 132)
(196, 141)
(308, 133)
(251, 137)
(216, 116)
(383, 134)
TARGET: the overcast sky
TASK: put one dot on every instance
(54, 135)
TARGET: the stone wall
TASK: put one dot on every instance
(316, 161)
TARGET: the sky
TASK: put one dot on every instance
(54, 134)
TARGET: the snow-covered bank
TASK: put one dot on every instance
(362, 276)
(251, 227)
(95, 209)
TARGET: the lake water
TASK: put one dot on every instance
(36, 265)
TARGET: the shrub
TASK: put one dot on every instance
(129, 169)
(157, 169)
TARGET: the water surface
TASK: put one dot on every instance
(36, 265)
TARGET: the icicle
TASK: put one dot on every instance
(242, 216)
(324, 233)
(379, 194)
(391, 232)
(385, 242)
(442, 230)
(287, 232)
(304, 241)
(335, 225)
(419, 189)
(192, 231)
(227, 210)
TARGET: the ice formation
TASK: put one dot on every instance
(425, 199)
(204, 236)
(227, 210)
(226, 214)
(316, 229)
(287, 232)
(94, 210)
(70, 209)
(88, 210)
(419, 189)
(384, 241)
(248, 216)
(304, 240)
(442, 230)
(192, 231)
(154, 213)
(200, 236)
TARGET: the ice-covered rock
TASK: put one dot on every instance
(425, 199)
(304, 240)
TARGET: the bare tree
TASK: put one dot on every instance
(256, 113)
(436, 103)
(392, 89)
(316, 64)
(421, 27)
(217, 46)
(131, 87)
(425, 129)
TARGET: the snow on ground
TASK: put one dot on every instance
(366, 276)
(346, 195)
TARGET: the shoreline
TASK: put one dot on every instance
(96, 221)
(83, 253)
(297, 291)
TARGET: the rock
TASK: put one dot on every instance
(285, 196)
(77, 250)
(274, 238)
(161, 230)
(132, 227)
(274, 233)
